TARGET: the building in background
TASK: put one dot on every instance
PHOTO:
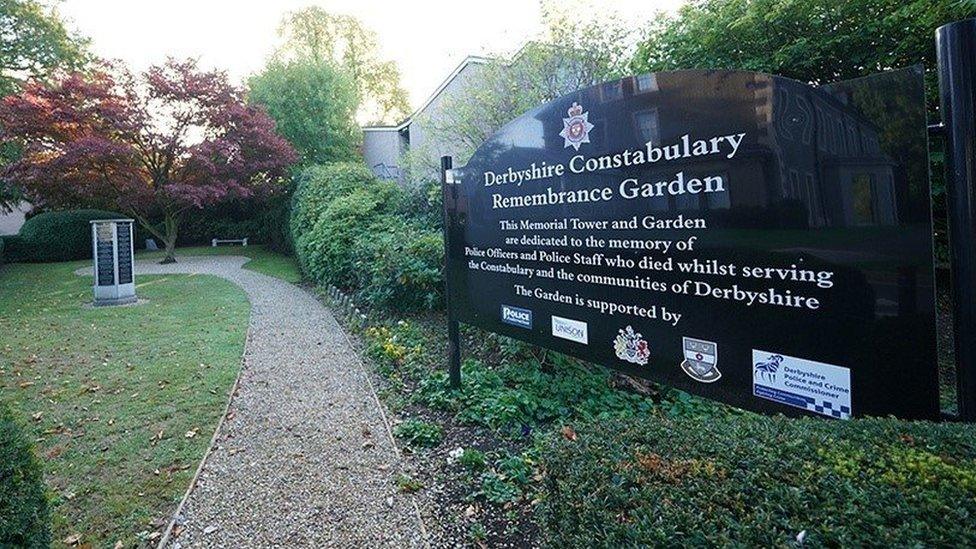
(10, 223)
(384, 146)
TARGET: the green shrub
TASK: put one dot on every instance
(327, 251)
(24, 514)
(759, 481)
(59, 236)
(3, 246)
(416, 432)
(473, 459)
(13, 248)
(400, 267)
(318, 186)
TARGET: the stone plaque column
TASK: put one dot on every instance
(112, 256)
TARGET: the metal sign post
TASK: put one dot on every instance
(449, 194)
(956, 47)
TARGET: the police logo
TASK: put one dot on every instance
(576, 128)
(701, 359)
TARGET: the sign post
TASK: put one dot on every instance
(449, 195)
(112, 252)
(956, 45)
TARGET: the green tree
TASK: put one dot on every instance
(34, 42)
(313, 105)
(584, 44)
(817, 42)
(313, 34)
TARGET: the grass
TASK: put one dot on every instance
(122, 401)
(263, 261)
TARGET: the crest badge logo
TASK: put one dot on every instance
(576, 128)
(631, 346)
(701, 359)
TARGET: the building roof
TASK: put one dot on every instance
(469, 60)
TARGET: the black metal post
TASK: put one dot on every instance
(956, 48)
(449, 194)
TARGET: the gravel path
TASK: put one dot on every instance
(305, 458)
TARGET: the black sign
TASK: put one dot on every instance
(124, 232)
(104, 254)
(745, 237)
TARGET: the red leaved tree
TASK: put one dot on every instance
(155, 147)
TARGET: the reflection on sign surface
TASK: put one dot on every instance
(647, 221)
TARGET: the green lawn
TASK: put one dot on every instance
(262, 260)
(123, 400)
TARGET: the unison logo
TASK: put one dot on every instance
(517, 316)
(570, 329)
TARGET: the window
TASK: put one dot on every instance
(863, 198)
(686, 201)
(718, 201)
(648, 125)
(646, 83)
(813, 204)
(794, 191)
(613, 91)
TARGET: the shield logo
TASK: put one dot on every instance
(576, 128)
(701, 359)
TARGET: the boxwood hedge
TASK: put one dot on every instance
(360, 234)
(24, 513)
(759, 481)
(59, 236)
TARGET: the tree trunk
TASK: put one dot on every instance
(171, 224)
(168, 233)
(170, 251)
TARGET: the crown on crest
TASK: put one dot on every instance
(575, 110)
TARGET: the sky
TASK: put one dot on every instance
(427, 38)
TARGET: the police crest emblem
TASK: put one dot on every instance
(576, 128)
(701, 359)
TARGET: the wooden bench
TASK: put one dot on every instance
(242, 241)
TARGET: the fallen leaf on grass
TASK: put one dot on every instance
(192, 433)
(568, 433)
(119, 544)
(73, 539)
(26, 384)
(37, 416)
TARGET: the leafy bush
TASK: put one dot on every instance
(59, 236)
(759, 481)
(13, 248)
(416, 432)
(329, 250)
(260, 219)
(399, 267)
(24, 514)
(334, 206)
(318, 186)
(473, 459)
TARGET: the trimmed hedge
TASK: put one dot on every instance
(59, 236)
(399, 267)
(759, 481)
(367, 237)
(24, 512)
